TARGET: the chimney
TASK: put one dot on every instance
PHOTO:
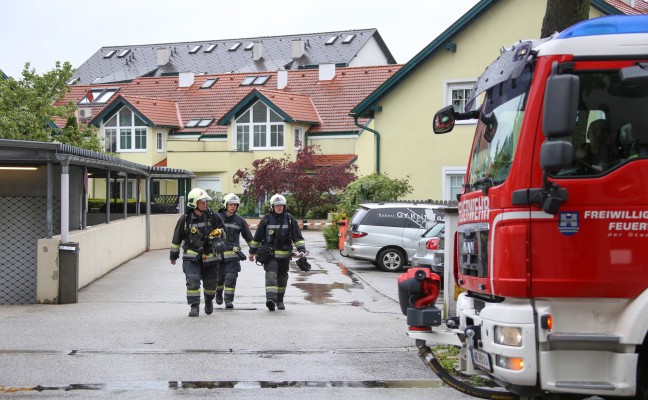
(257, 51)
(186, 79)
(163, 56)
(326, 72)
(298, 48)
(282, 78)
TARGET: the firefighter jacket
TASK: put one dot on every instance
(192, 233)
(235, 226)
(281, 232)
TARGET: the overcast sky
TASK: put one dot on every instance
(45, 31)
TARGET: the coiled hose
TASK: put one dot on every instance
(426, 354)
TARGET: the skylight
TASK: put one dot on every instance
(248, 80)
(205, 122)
(105, 96)
(235, 46)
(332, 40)
(260, 80)
(208, 83)
(210, 48)
(123, 53)
(98, 96)
(192, 123)
(110, 53)
(249, 46)
(349, 38)
(195, 49)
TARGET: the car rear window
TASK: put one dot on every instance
(358, 216)
(435, 231)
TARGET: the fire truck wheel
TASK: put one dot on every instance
(391, 260)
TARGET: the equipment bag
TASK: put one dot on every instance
(264, 253)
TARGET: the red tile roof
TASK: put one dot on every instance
(299, 107)
(162, 163)
(160, 112)
(329, 160)
(640, 7)
(331, 101)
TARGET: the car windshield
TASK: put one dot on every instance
(435, 231)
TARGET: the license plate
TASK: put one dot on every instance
(481, 359)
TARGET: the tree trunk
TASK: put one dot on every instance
(562, 14)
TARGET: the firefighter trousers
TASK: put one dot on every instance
(276, 278)
(196, 272)
(227, 275)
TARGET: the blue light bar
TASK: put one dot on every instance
(617, 24)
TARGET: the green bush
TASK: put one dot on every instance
(331, 237)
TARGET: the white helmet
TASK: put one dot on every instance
(231, 198)
(277, 200)
(195, 196)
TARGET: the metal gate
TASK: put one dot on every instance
(23, 220)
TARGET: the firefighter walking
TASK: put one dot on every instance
(277, 231)
(195, 231)
(228, 269)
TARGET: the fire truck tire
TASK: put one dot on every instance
(430, 360)
(391, 260)
(642, 372)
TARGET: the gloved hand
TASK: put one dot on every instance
(251, 257)
(218, 232)
(303, 264)
(239, 253)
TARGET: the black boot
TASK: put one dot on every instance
(209, 306)
(229, 304)
(270, 304)
(219, 297)
(229, 300)
(195, 310)
(280, 303)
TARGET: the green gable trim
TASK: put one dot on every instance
(185, 133)
(605, 8)
(114, 107)
(364, 108)
(332, 134)
(316, 66)
(247, 102)
(3, 76)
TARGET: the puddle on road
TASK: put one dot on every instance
(178, 385)
(321, 293)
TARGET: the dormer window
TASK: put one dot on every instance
(348, 39)
(235, 46)
(123, 53)
(195, 49)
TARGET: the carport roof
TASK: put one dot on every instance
(22, 152)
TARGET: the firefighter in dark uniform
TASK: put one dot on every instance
(196, 228)
(229, 268)
(280, 231)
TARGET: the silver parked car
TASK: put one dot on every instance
(387, 233)
(430, 250)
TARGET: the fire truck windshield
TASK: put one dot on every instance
(497, 132)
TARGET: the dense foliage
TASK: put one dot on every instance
(372, 188)
(27, 110)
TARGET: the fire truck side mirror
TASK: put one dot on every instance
(556, 155)
(444, 120)
(560, 106)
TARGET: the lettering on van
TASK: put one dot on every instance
(622, 223)
(476, 209)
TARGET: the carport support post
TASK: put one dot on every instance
(148, 213)
(65, 197)
(449, 300)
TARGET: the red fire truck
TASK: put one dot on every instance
(551, 245)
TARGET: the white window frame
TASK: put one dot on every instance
(298, 137)
(135, 133)
(264, 128)
(160, 142)
(458, 84)
(447, 173)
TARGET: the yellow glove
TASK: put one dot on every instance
(216, 233)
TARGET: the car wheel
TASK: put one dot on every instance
(391, 260)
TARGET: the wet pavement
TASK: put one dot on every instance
(342, 335)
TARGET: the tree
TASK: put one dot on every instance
(27, 109)
(374, 187)
(308, 184)
(561, 14)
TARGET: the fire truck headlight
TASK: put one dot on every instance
(512, 363)
(508, 336)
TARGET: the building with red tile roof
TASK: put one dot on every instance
(217, 124)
